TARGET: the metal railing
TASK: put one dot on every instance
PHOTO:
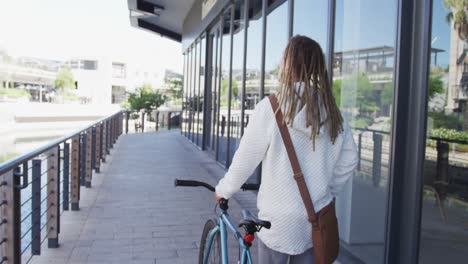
(145, 121)
(30, 209)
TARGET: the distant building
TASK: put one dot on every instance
(458, 75)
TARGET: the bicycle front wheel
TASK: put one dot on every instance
(214, 250)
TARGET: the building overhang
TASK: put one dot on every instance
(163, 17)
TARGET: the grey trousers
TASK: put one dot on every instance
(269, 256)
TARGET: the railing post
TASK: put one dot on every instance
(223, 124)
(142, 121)
(88, 157)
(126, 121)
(36, 208)
(83, 159)
(442, 175)
(377, 159)
(11, 218)
(52, 198)
(97, 153)
(75, 176)
(169, 120)
(104, 142)
(66, 176)
(108, 136)
(157, 120)
(359, 151)
(93, 149)
(58, 182)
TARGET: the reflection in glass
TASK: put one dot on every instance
(444, 225)
(196, 92)
(224, 95)
(311, 20)
(276, 41)
(201, 92)
(363, 86)
(190, 93)
(253, 63)
(184, 99)
(237, 78)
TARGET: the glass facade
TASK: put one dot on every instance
(363, 87)
(444, 225)
(362, 41)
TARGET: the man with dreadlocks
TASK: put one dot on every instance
(323, 143)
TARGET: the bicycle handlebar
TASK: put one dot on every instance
(189, 183)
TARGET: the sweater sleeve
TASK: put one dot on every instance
(346, 164)
(252, 149)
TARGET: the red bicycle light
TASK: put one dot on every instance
(249, 238)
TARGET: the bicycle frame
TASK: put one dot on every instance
(223, 223)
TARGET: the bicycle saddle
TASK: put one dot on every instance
(250, 221)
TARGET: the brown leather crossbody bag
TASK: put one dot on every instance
(324, 224)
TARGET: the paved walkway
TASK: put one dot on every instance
(133, 213)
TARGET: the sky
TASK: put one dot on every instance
(64, 29)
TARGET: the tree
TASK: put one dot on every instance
(458, 13)
(337, 84)
(175, 88)
(225, 86)
(65, 79)
(436, 85)
(145, 98)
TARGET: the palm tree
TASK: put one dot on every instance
(458, 13)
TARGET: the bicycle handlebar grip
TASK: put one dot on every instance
(250, 187)
(185, 183)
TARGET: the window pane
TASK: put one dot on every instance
(201, 92)
(254, 48)
(276, 41)
(224, 96)
(363, 87)
(311, 20)
(196, 67)
(237, 78)
(444, 225)
(191, 82)
(184, 98)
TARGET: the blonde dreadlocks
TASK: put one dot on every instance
(303, 62)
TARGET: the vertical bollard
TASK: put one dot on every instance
(126, 121)
(75, 176)
(157, 120)
(442, 175)
(377, 159)
(88, 158)
(52, 198)
(11, 218)
(169, 120)
(142, 121)
(36, 208)
(223, 125)
(97, 154)
(66, 176)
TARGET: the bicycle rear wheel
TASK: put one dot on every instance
(215, 249)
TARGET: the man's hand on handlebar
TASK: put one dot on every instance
(217, 198)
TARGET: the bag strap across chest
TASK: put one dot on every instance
(298, 176)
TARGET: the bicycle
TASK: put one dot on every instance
(214, 236)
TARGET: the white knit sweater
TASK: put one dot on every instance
(326, 170)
